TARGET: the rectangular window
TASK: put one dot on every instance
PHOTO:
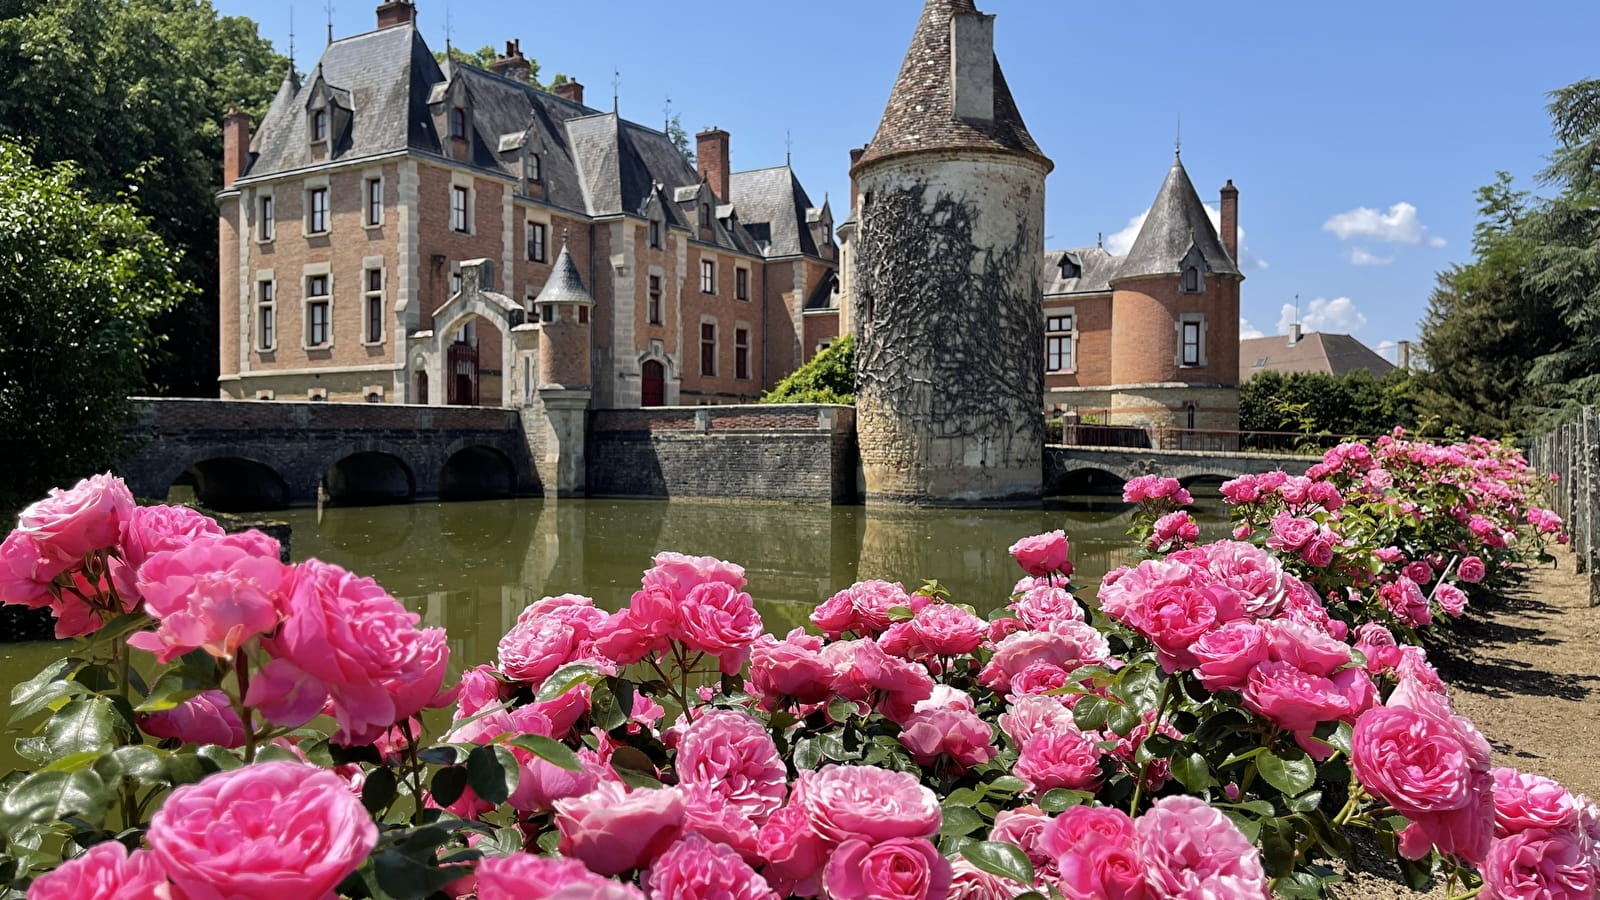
(1058, 343)
(458, 209)
(374, 298)
(269, 225)
(458, 123)
(319, 125)
(536, 244)
(741, 284)
(741, 353)
(531, 169)
(265, 317)
(583, 315)
(708, 277)
(655, 234)
(1191, 344)
(654, 307)
(374, 201)
(317, 220)
(319, 331)
(708, 348)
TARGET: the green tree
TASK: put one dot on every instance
(1351, 405)
(484, 58)
(81, 284)
(680, 138)
(830, 377)
(133, 93)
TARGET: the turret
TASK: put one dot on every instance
(563, 308)
(949, 203)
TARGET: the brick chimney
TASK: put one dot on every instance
(569, 90)
(972, 66)
(1230, 220)
(396, 12)
(235, 146)
(513, 64)
(855, 194)
(711, 151)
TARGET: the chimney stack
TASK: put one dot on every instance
(1294, 334)
(569, 90)
(1230, 220)
(396, 12)
(855, 194)
(513, 64)
(1402, 355)
(711, 151)
(235, 146)
(972, 66)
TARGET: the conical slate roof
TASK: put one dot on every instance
(921, 111)
(1177, 223)
(564, 286)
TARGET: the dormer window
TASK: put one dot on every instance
(458, 123)
(319, 125)
(705, 215)
(655, 234)
(530, 169)
(1070, 269)
(1191, 280)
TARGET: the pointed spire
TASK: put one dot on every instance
(565, 284)
(921, 113)
(1177, 223)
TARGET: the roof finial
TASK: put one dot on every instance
(449, 32)
(1177, 144)
(616, 89)
(291, 40)
(328, 8)
(788, 147)
(1100, 239)
(666, 117)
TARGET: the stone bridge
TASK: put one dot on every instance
(255, 455)
(1085, 470)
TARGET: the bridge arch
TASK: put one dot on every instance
(369, 478)
(233, 484)
(477, 473)
(1085, 480)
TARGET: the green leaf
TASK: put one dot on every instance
(137, 762)
(379, 789)
(493, 777)
(1292, 776)
(448, 784)
(1298, 884)
(1007, 785)
(1193, 772)
(405, 878)
(446, 755)
(1091, 713)
(170, 690)
(634, 768)
(841, 710)
(807, 755)
(1005, 860)
(961, 820)
(47, 696)
(565, 679)
(29, 689)
(82, 726)
(53, 796)
(73, 763)
(1058, 799)
(551, 751)
(1122, 720)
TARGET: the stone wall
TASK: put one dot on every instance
(795, 453)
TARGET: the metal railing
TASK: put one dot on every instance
(1572, 454)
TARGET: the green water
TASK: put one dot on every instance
(471, 567)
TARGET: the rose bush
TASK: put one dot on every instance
(1214, 722)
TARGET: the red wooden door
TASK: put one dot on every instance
(653, 391)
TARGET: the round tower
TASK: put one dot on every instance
(946, 291)
(564, 307)
(1175, 315)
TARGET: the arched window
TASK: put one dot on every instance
(319, 125)
(458, 122)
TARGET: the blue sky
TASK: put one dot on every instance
(1356, 132)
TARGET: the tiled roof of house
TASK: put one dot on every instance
(1177, 224)
(921, 111)
(1326, 354)
(565, 284)
(1095, 267)
(773, 198)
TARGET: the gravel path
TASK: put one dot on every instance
(1526, 669)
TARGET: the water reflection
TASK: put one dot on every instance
(471, 567)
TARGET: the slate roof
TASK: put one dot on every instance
(1327, 354)
(1176, 224)
(921, 111)
(565, 284)
(1095, 265)
(774, 198)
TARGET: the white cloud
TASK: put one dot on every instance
(1386, 349)
(1248, 331)
(1361, 256)
(1336, 316)
(1399, 225)
(1122, 241)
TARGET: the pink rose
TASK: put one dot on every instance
(1228, 655)
(151, 529)
(542, 783)
(1096, 854)
(1033, 715)
(956, 734)
(214, 594)
(1024, 828)
(1418, 571)
(1451, 599)
(795, 854)
(263, 832)
(717, 618)
(1176, 526)
(968, 882)
(732, 753)
(1318, 552)
(1291, 532)
(25, 573)
(1042, 554)
(1067, 645)
(346, 641)
(1523, 801)
(523, 876)
(1294, 699)
(1059, 759)
(1173, 617)
(944, 629)
(1190, 849)
(68, 525)
(1539, 865)
(1389, 555)
(206, 718)
(105, 871)
(1041, 606)
(1077, 826)
(613, 830)
(646, 626)
(844, 802)
(536, 647)
(1472, 570)
(862, 608)
(865, 672)
(680, 574)
(909, 868)
(1407, 602)
(790, 669)
(696, 869)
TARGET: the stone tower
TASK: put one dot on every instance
(564, 308)
(1175, 314)
(950, 354)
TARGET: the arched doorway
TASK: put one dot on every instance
(473, 364)
(653, 384)
(422, 388)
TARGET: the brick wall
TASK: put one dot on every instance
(792, 453)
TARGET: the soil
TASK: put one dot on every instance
(1525, 667)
